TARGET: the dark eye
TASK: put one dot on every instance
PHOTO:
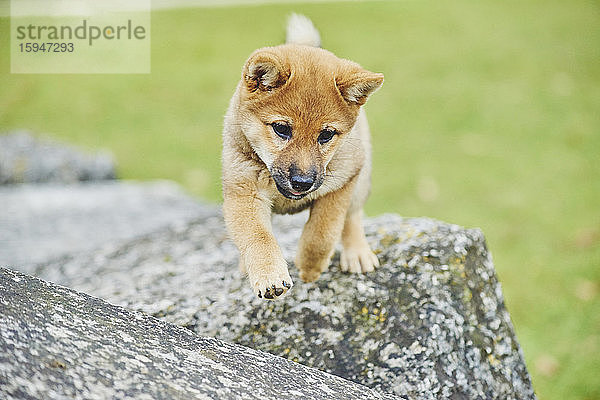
(326, 135)
(284, 131)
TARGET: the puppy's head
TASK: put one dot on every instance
(297, 103)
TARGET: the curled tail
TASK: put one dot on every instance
(300, 30)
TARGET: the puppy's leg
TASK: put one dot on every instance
(322, 231)
(356, 255)
(248, 221)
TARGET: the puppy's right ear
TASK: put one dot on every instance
(264, 71)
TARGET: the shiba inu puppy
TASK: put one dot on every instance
(295, 137)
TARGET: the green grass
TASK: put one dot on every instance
(489, 117)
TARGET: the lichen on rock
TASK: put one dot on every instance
(57, 343)
(430, 323)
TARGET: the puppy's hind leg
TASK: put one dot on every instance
(356, 256)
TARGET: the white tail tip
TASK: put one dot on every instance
(300, 30)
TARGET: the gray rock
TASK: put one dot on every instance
(430, 323)
(24, 158)
(45, 221)
(57, 344)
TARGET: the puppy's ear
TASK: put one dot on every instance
(356, 84)
(265, 71)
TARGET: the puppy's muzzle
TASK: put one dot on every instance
(296, 184)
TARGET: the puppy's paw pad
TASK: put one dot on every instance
(271, 285)
(273, 292)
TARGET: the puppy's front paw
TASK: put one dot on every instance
(310, 275)
(358, 259)
(271, 283)
(311, 270)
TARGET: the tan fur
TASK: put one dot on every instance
(310, 89)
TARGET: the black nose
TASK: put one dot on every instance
(301, 183)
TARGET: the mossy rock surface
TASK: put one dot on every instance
(430, 323)
(57, 344)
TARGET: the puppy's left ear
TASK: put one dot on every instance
(357, 84)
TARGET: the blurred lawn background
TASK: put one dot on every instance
(489, 117)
